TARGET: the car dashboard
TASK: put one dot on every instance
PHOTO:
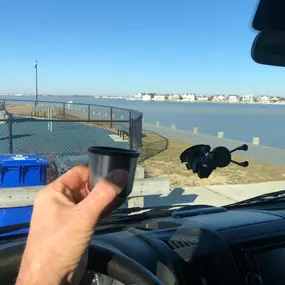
(245, 246)
(238, 246)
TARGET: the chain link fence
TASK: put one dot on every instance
(123, 126)
(153, 144)
(61, 130)
(57, 137)
(126, 123)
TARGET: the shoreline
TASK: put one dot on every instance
(202, 102)
(22, 97)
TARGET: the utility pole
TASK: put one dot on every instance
(37, 95)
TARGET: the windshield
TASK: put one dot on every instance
(153, 76)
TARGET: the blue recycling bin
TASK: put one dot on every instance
(17, 170)
(15, 216)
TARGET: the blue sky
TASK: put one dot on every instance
(118, 47)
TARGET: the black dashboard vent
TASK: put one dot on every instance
(180, 243)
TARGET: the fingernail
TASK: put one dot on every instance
(119, 178)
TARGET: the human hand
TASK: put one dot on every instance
(64, 216)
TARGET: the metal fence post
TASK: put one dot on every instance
(131, 135)
(10, 135)
(88, 112)
(63, 111)
(111, 117)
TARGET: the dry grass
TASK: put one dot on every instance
(19, 109)
(167, 164)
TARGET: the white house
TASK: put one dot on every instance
(264, 99)
(174, 97)
(202, 98)
(188, 97)
(274, 99)
(146, 97)
(219, 98)
(247, 99)
(233, 99)
(159, 98)
(138, 96)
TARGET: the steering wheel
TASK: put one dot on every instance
(100, 259)
(119, 266)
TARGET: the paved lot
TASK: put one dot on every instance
(65, 137)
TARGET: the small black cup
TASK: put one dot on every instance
(103, 160)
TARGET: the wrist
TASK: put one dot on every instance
(36, 274)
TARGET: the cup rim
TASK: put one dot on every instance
(113, 151)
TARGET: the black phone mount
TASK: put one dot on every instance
(203, 161)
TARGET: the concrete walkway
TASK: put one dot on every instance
(216, 195)
(259, 152)
(237, 192)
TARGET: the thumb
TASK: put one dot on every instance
(103, 194)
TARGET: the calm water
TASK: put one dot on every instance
(237, 121)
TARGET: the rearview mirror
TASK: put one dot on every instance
(269, 48)
(270, 15)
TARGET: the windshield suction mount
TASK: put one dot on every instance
(203, 161)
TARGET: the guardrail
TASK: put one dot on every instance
(112, 117)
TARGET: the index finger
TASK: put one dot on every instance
(74, 178)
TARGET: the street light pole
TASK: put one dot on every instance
(37, 95)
